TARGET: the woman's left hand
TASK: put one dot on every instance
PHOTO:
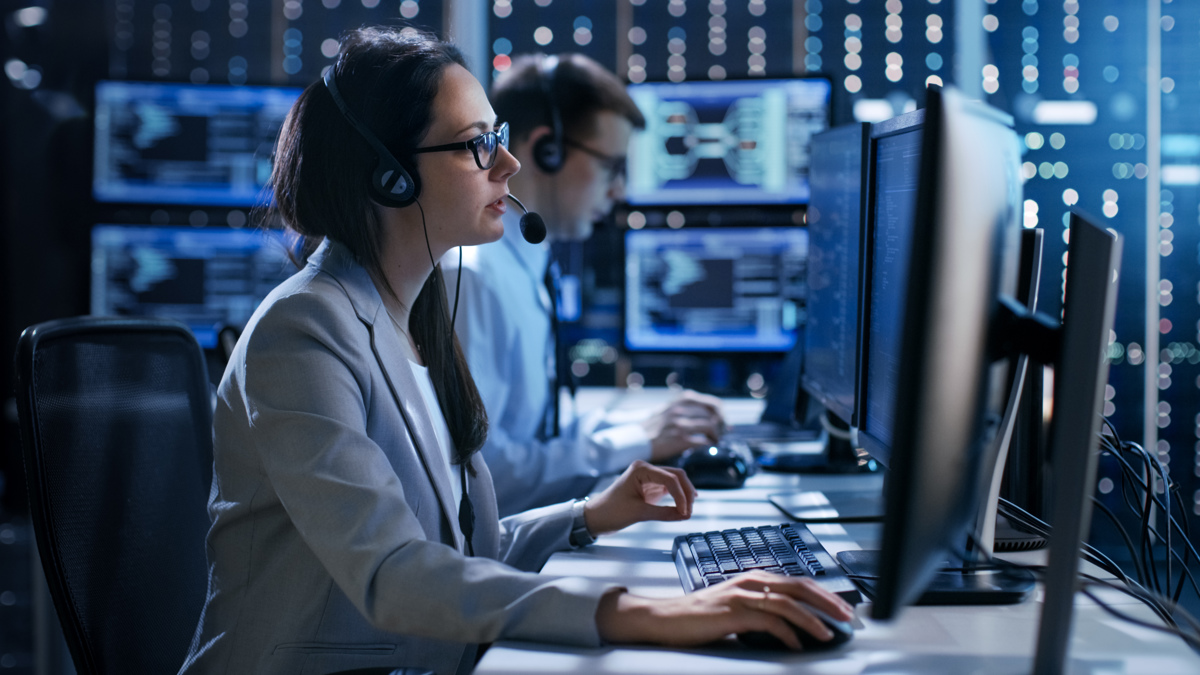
(634, 497)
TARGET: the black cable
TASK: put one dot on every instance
(1038, 526)
(1175, 612)
(1187, 552)
(1192, 641)
(1172, 523)
(1141, 576)
(1154, 471)
(1149, 501)
(1154, 466)
(1146, 547)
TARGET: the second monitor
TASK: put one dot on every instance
(715, 289)
(726, 142)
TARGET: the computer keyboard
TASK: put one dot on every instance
(708, 558)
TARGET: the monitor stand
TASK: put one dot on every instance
(966, 584)
(957, 586)
(836, 455)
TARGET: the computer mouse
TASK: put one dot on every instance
(842, 632)
(714, 467)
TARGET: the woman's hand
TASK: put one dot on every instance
(634, 497)
(755, 601)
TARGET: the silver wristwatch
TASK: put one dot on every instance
(580, 534)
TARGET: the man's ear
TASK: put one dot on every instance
(547, 151)
(523, 149)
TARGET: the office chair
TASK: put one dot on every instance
(116, 423)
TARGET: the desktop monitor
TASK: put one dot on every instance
(725, 142)
(895, 151)
(1080, 357)
(207, 278)
(169, 143)
(704, 289)
(840, 160)
(943, 395)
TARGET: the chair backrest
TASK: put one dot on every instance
(116, 423)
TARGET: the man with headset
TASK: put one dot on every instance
(570, 122)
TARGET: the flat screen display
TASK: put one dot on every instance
(165, 143)
(715, 289)
(725, 142)
(207, 278)
(897, 167)
(835, 217)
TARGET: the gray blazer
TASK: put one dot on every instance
(335, 543)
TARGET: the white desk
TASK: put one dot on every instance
(952, 640)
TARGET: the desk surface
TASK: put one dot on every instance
(922, 640)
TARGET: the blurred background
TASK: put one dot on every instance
(1104, 94)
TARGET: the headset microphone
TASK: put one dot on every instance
(533, 228)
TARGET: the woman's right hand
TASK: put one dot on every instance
(755, 601)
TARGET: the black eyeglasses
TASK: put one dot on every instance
(614, 165)
(485, 147)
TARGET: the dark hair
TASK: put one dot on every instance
(580, 87)
(388, 77)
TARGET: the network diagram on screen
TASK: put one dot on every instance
(727, 142)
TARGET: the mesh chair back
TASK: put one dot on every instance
(116, 423)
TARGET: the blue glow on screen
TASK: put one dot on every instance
(204, 145)
(726, 142)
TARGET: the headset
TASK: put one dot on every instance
(548, 152)
(391, 184)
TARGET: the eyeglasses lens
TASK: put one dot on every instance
(487, 146)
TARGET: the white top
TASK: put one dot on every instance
(504, 327)
(440, 429)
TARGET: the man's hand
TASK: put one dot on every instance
(692, 419)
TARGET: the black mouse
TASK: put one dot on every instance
(714, 466)
(842, 632)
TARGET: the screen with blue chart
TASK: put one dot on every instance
(206, 278)
(715, 289)
(205, 145)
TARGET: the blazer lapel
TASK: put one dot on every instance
(385, 341)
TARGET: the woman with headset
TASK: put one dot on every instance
(354, 524)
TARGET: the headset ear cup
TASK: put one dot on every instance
(548, 154)
(392, 185)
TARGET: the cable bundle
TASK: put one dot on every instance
(1139, 489)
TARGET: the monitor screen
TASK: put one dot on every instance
(206, 278)
(946, 251)
(897, 158)
(165, 143)
(725, 142)
(714, 289)
(834, 236)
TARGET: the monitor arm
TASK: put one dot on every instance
(1016, 330)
